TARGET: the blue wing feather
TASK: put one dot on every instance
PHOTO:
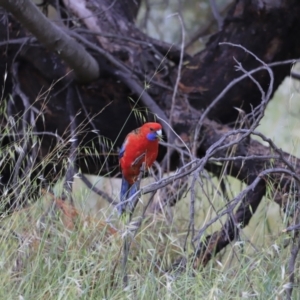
(125, 187)
(127, 191)
(133, 189)
(122, 150)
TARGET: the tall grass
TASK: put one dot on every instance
(47, 261)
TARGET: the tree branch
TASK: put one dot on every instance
(53, 38)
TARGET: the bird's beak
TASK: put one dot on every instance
(159, 134)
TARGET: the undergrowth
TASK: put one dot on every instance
(48, 254)
(49, 250)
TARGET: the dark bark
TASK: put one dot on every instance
(267, 32)
(216, 242)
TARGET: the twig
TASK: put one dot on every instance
(127, 239)
(178, 73)
(237, 199)
(292, 262)
(169, 132)
(22, 41)
(125, 75)
(292, 228)
(216, 13)
(265, 97)
(96, 190)
(192, 208)
(69, 177)
(24, 148)
(295, 75)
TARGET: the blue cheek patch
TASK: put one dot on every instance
(152, 136)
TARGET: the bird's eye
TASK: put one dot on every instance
(151, 129)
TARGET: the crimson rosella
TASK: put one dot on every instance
(140, 146)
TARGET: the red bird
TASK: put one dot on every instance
(140, 145)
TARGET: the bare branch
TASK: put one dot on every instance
(53, 38)
(125, 75)
(292, 263)
(94, 189)
(295, 75)
(216, 13)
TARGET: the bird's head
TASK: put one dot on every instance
(152, 130)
